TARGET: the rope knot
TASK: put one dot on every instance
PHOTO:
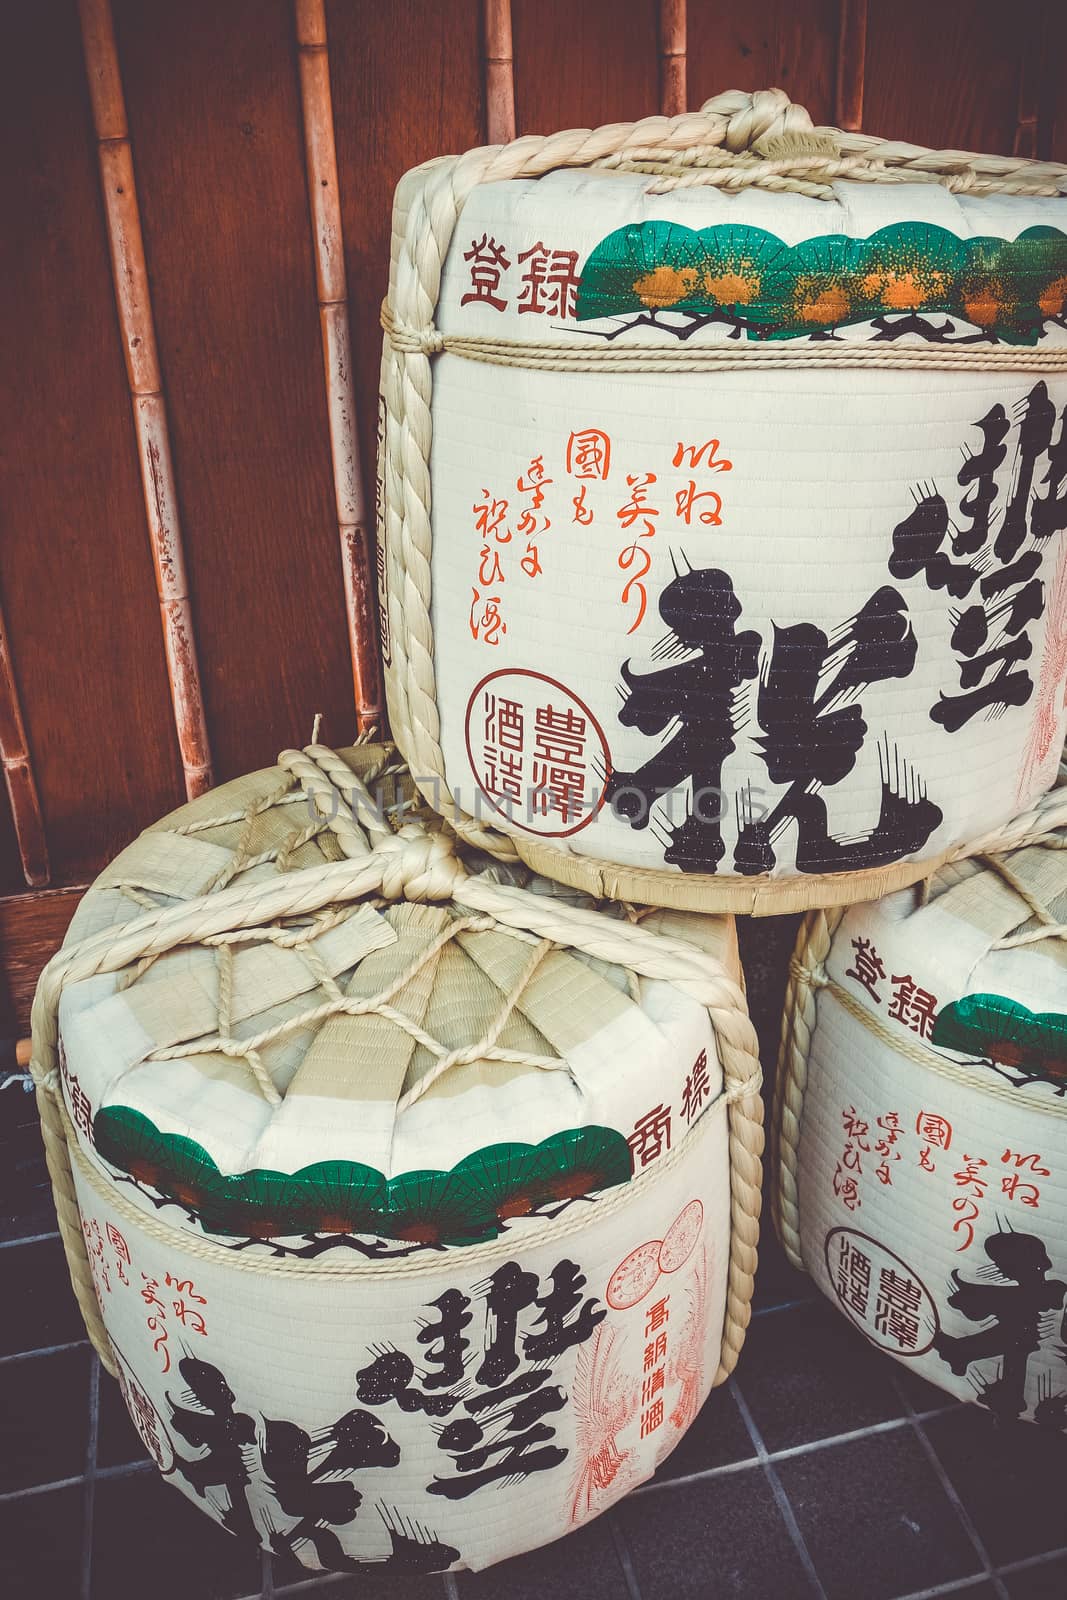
(428, 341)
(419, 865)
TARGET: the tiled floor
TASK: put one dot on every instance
(821, 1470)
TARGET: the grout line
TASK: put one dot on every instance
(44, 1350)
(778, 1489)
(30, 1238)
(1026, 1562)
(89, 1493)
(783, 1305)
(622, 1551)
(953, 1586)
(266, 1575)
(127, 1470)
(789, 1452)
(951, 1492)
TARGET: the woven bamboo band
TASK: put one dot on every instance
(736, 140)
(414, 863)
(808, 975)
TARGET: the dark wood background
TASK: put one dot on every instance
(213, 101)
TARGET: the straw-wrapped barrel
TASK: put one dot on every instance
(921, 1172)
(723, 486)
(413, 1203)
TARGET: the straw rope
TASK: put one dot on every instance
(413, 864)
(807, 976)
(736, 139)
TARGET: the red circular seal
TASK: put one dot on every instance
(880, 1294)
(681, 1237)
(537, 752)
(634, 1276)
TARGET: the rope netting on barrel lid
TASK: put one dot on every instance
(372, 859)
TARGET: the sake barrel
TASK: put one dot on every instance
(413, 1206)
(722, 499)
(922, 1126)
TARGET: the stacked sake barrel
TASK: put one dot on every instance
(922, 1122)
(412, 1201)
(723, 502)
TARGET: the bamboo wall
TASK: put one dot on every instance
(196, 215)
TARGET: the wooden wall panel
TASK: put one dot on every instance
(945, 75)
(75, 567)
(577, 66)
(782, 44)
(214, 113)
(407, 82)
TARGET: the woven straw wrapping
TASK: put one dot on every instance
(309, 1079)
(920, 1124)
(477, 386)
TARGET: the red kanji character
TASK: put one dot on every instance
(651, 1135)
(970, 1176)
(488, 265)
(502, 774)
(184, 1313)
(695, 454)
(856, 1128)
(583, 514)
(915, 1008)
(490, 571)
(185, 1286)
(589, 454)
(685, 499)
(853, 1275)
(934, 1129)
(530, 524)
(655, 1351)
(926, 1160)
(697, 1087)
(121, 1247)
(148, 1293)
(890, 1126)
(652, 1386)
(867, 968)
(560, 735)
(557, 788)
(652, 1418)
(1012, 1185)
(627, 557)
(489, 514)
(637, 507)
(550, 282)
(846, 1189)
(657, 1315)
(534, 482)
(504, 722)
(490, 627)
(896, 1308)
(1022, 1161)
(967, 1216)
(81, 1110)
(883, 1173)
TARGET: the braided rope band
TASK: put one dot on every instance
(415, 864)
(737, 140)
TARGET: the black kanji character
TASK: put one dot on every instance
(1015, 1306)
(224, 1432)
(701, 610)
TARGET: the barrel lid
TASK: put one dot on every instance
(294, 1010)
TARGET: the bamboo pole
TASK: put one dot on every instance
(18, 775)
(134, 305)
(499, 73)
(1031, 132)
(325, 203)
(851, 59)
(672, 57)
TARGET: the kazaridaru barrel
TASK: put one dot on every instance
(722, 496)
(922, 1119)
(412, 1202)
